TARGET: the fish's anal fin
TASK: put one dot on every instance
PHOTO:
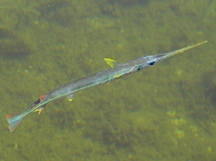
(39, 110)
(70, 97)
(112, 63)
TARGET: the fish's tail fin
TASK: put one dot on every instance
(13, 121)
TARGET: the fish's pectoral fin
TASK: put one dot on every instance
(112, 63)
(70, 97)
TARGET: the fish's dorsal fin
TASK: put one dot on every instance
(112, 63)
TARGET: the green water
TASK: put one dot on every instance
(164, 113)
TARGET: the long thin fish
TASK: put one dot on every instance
(116, 71)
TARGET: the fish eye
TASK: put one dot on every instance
(151, 63)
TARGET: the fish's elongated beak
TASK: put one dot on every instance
(172, 53)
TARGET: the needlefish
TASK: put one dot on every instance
(116, 71)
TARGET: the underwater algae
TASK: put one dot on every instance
(11, 46)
